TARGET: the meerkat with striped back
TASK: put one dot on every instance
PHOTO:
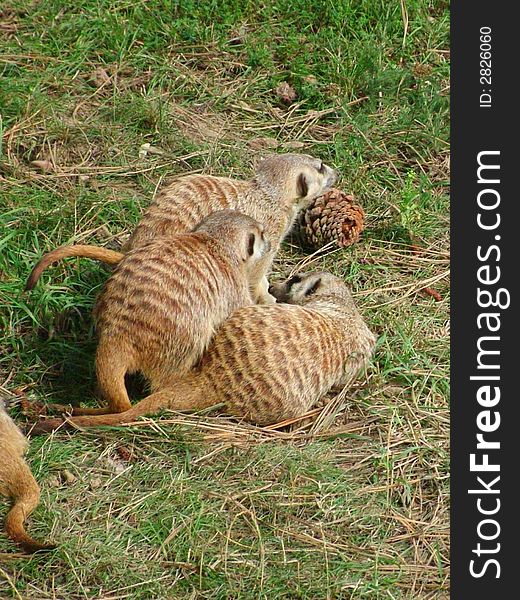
(282, 186)
(163, 303)
(18, 483)
(267, 363)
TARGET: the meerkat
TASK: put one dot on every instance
(282, 186)
(161, 306)
(17, 482)
(267, 363)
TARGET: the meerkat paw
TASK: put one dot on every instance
(266, 299)
(262, 295)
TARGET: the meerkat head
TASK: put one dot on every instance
(238, 231)
(304, 287)
(297, 178)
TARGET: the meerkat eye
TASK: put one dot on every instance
(322, 168)
(294, 279)
(313, 288)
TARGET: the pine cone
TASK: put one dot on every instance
(332, 217)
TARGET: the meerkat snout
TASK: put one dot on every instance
(314, 181)
(300, 177)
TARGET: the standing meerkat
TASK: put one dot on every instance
(163, 303)
(283, 185)
(17, 482)
(268, 363)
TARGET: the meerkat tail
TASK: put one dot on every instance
(26, 495)
(184, 396)
(78, 410)
(111, 368)
(112, 365)
(110, 257)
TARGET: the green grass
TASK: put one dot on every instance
(345, 511)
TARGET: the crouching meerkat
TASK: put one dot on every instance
(163, 303)
(268, 363)
(283, 185)
(17, 482)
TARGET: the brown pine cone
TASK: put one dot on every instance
(332, 217)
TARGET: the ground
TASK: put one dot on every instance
(352, 502)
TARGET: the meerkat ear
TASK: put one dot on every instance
(251, 244)
(302, 185)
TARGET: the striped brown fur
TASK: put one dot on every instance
(282, 186)
(267, 363)
(164, 301)
(17, 482)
